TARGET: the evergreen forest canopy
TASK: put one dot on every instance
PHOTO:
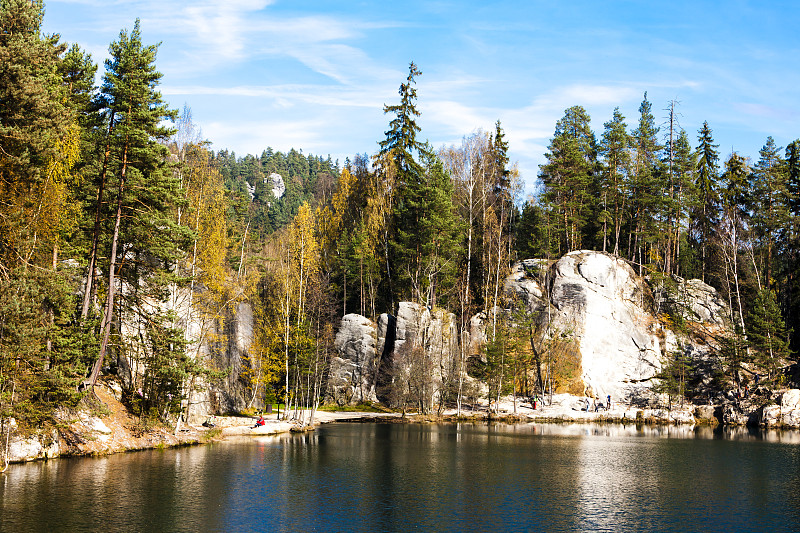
(124, 244)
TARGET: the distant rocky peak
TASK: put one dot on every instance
(278, 187)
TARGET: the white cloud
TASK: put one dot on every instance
(286, 95)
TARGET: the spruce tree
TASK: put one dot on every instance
(398, 157)
(648, 200)
(401, 143)
(767, 336)
(684, 167)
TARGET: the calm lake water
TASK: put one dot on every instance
(392, 477)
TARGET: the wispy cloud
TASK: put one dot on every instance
(288, 94)
(315, 75)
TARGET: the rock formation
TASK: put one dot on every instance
(278, 187)
(593, 314)
(353, 370)
(370, 357)
(594, 308)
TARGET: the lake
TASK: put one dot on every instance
(443, 477)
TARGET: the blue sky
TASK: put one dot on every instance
(315, 75)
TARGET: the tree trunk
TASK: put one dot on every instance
(109, 311)
(87, 296)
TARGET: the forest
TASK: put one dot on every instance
(125, 239)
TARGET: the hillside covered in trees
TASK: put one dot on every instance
(120, 227)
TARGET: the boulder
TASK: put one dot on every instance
(790, 400)
(705, 414)
(771, 415)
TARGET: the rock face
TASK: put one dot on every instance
(44, 446)
(353, 371)
(278, 187)
(604, 305)
(225, 345)
(602, 314)
(786, 414)
(426, 340)
(524, 283)
(371, 356)
(223, 342)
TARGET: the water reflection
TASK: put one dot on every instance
(456, 477)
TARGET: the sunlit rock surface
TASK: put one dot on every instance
(599, 311)
(591, 306)
(43, 446)
(278, 187)
(371, 356)
(353, 370)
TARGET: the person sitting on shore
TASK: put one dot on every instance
(259, 422)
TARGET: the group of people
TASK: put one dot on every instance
(596, 406)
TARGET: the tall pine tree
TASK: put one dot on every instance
(145, 190)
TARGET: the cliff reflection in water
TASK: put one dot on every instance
(456, 477)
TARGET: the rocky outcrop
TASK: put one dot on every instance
(84, 432)
(371, 357)
(43, 446)
(787, 414)
(593, 315)
(353, 371)
(594, 309)
(426, 342)
(525, 283)
(275, 180)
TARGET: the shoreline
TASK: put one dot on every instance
(83, 434)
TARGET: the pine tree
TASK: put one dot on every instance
(770, 204)
(146, 189)
(705, 214)
(568, 175)
(616, 157)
